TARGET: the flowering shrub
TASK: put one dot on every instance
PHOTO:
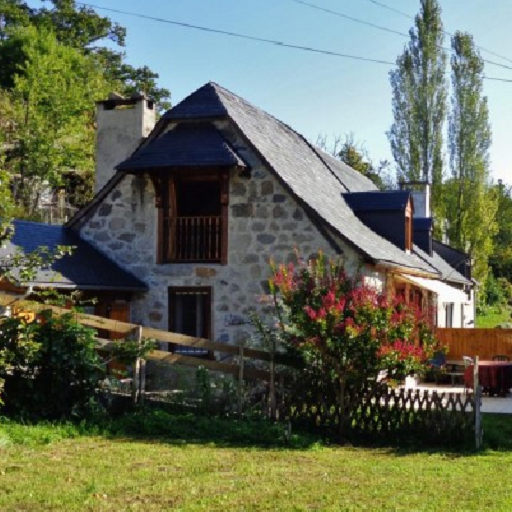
(345, 331)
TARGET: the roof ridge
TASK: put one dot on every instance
(285, 125)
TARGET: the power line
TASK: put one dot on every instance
(351, 18)
(240, 35)
(449, 34)
(498, 79)
(403, 34)
(255, 38)
(392, 9)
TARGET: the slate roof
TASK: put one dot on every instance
(378, 201)
(86, 268)
(448, 273)
(201, 104)
(184, 146)
(302, 168)
(351, 179)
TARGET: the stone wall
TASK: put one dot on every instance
(264, 221)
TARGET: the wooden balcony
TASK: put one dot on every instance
(195, 239)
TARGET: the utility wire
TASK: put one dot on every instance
(392, 9)
(241, 36)
(498, 79)
(255, 38)
(481, 48)
(351, 18)
(397, 32)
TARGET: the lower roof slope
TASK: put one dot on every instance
(86, 268)
(186, 145)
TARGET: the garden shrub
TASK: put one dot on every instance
(342, 332)
(50, 367)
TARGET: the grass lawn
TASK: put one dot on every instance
(492, 319)
(60, 468)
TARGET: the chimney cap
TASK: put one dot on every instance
(115, 99)
(114, 96)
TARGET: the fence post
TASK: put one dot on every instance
(478, 402)
(272, 390)
(136, 370)
(142, 397)
(240, 380)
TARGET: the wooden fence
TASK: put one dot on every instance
(375, 414)
(484, 343)
(237, 367)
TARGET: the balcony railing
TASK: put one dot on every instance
(195, 239)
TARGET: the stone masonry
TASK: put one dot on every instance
(264, 221)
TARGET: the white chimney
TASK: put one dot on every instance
(122, 124)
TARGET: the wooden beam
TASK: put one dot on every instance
(107, 324)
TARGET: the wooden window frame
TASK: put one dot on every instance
(175, 290)
(165, 189)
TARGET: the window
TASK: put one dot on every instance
(193, 218)
(449, 308)
(190, 314)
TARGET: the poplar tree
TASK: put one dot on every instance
(419, 103)
(471, 203)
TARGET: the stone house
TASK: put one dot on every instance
(189, 210)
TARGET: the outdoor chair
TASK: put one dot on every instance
(438, 363)
(500, 357)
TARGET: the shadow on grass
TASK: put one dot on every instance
(160, 426)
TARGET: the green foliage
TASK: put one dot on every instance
(81, 28)
(53, 66)
(22, 267)
(128, 351)
(50, 367)
(343, 332)
(357, 157)
(500, 260)
(419, 103)
(52, 109)
(470, 202)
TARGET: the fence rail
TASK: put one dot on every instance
(381, 412)
(484, 343)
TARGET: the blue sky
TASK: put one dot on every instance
(312, 93)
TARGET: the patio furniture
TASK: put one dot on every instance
(500, 358)
(437, 364)
(456, 369)
(495, 377)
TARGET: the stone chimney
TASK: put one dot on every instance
(122, 124)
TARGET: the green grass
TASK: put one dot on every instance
(67, 467)
(494, 318)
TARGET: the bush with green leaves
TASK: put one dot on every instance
(50, 367)
(343, 332)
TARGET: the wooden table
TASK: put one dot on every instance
(495, 377)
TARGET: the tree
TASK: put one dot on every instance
(356, 156)
(6, 204)
(51, 113)
(470, 201)
(500, 260)
(419, 103)
(81, 28)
